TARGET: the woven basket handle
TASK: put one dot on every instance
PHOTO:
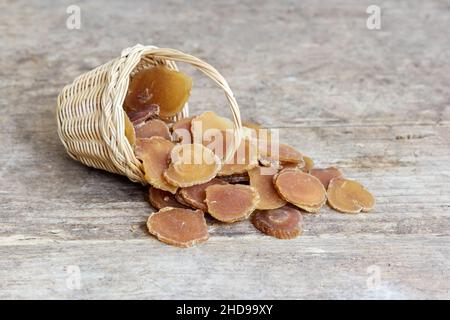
(167, 55)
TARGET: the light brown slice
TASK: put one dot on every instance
(159, 85)
(129, 131)
(309, 164)
(180, 200)
(195, 196)
(191, 164)
(326, 175)
(153, 128)
(145, 112)
(244, 159)
(286, 154)
(349, 196)
(161, 199)
(231, 202)
(181, 130)
(263, 183)
(155, 154)
(300, 189)
(178, 227)
(282, 223)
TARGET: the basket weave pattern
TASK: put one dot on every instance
(90, 111)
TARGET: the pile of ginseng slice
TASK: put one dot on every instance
(195, 166)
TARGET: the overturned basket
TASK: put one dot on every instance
(90, 111)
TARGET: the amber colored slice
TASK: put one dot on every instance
(231, 202)
(282, 223)
(159, 85)
(300, 189)
(195, 196)
(245, 158)
(155, 154)
(178, 227)
(191, 164)
(349, 196)
(161, 199)
(153, 128)
(251, 125)
(326, 175)
(129, 131)
(309, 164)
(145, 113)
(181, 130)
(268, 195)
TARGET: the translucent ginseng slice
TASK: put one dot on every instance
(155, 154)
(178, 227)
(153, 128)
(161, 199)
(191, 164)
(309, 164)
(231, 202)
(211, 130)
(195, 196)
(181, 130)
(300, 189)
(282, 223)
(145, 113)
(244, 159)
(349, 196)
(129, 131)
(159, 85)
(326, 175)
(263, 183)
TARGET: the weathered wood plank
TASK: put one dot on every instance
(375, 103)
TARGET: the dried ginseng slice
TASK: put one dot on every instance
(161, 199)
(159, 85)
(154, 153)
(349, 196)
(326, 175)
(231, 202)
(178, 227)
(245, 158)
(282, 223)
(195, 196)
(144, 113)
(286, 154)
(181, 201)
(300, 189)
(153, 128)
(181, 130)
(236, 178)
(191, 164)
(263, 183)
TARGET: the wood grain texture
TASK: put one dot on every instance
(374, 103)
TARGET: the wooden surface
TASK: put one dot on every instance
(374, 103)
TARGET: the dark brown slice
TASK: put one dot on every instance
(161, 199)
(178, 227)
(236, 178)
(195, 196)
(231, 202)
(300, 189)
(326, 175)
(145, 113)
(282, 223)
(153, 128)
(263, 183)
(349, 196)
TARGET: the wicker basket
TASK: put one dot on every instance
(90, 115)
